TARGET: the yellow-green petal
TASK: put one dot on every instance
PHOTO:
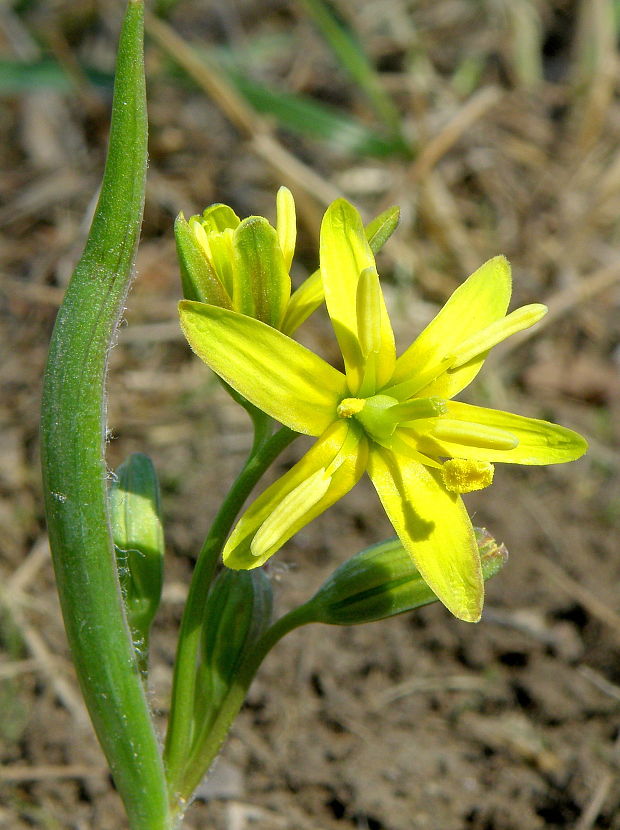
(539, 442)
(434, 527)
(309, 296)
(306, 299)
(286, 224)
(481, 342)
(199, 279)
(482, 299)
(276, 374)
(218, 217)
(345, 254)
(326, 472)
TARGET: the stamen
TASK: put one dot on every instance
(461, 476)
(417, 408)
(473, 435)
(482, 341)
(403, 444)
(275, 530)
(222, 253)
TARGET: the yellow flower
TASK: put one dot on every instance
(393, 417)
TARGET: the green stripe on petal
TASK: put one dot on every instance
(325, 473)
(344, 254)
(262, 286)
(434, 527)
(539, 442)
(276, 374)
(481, 300)
(379, 229)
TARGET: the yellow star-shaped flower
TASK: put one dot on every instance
(393, 417)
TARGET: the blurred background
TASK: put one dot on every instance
(495, 125)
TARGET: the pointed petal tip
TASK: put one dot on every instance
(466, 603)
(469, 615)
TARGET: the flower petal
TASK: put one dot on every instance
(344, 254)
(276, 374)
(261, 284)
(306, 299)
(309, 296)
(286, 224)
(200, 281)
(479, 301)
(539, 442)
(434, 527)
(325, 473)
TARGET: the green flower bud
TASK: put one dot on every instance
(135, 517)
(237, 612)
(382, 581)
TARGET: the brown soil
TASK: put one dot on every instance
(420, 721)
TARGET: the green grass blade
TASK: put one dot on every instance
(72, 448)
(353, 59)
(316, 120)
(17, 77)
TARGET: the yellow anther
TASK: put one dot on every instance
(349, 407)
(461, 476)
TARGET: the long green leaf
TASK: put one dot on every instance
(72, 445)
(17, 77)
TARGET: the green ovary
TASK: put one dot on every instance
(379, 415)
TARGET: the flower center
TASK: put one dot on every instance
(381, 414)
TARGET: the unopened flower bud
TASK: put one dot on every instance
(237, 612)
(135, 517)
(382, 581)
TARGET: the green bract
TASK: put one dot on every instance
(391, 416)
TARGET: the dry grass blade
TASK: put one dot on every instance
(563, 302)
(463, 119)
(594, 71)
(47, 663)
(16, 774)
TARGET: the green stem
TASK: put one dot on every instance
(210, 742)
(72, 454)
(180, 724)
